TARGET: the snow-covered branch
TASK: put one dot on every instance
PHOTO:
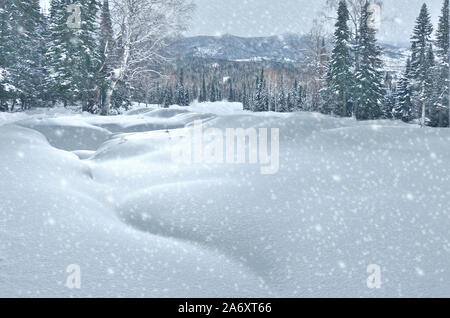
(142, 29)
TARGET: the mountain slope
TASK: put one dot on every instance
(285, 48)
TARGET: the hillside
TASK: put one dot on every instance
(285, 48)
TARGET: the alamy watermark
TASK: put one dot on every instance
(74, 19)
(229, 146)
(73, 281)
(374, 279)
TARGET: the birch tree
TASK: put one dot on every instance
(142, 29)
(315, 62)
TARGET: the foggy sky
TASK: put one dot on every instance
(275, 17)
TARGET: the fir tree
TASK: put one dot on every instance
(32, 54)
(108, 56)
(339, 79)
(443, 80)
(432, 111)
(245, 98)
(22, 32)
(74, 54)
(260, 100)
(7, 56)
(292, 97)
(187, 97)
(420, 65)
(301, 97)
(369, 91)
(282, 105)
(403, 108)
(230, 91)
(59, 53)
(89, 55)
(167, 97)
(213, 92)
(203, 92)
(180, 91)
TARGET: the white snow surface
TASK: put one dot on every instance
(104, 194)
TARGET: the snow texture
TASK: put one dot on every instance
(103, 193)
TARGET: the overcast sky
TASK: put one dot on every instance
(274, 17)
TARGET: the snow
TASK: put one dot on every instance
(103, 193)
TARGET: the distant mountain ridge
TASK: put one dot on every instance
(229, 47)
(284, 48)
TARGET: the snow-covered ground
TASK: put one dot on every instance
(104, 193)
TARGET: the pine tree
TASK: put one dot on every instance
(16, 43)
(420, 66)
(108, 56)
(282, 105)
(230, 91)
(433, 111)
(187, 97)
(74, 54)
(203, 92)
(403, 108)
(292, 97)
(40, 60)
(301, 97)
(59, 53)
(167, 96)
(213, 92)
(369, 91)
(32, 54)
(260, 100)
(245, 98)
(181, 95)
(339, 79)
(22, 32)
(107, 36)
(7, 55)
(443, 53)
(272, 101)
(89, 55)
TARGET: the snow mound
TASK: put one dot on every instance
(137, 110)
(347, 195)
(69, 133)
(166, 112)
(83, 154)
(68, 218)
(217, 108)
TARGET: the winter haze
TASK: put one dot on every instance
(250, 148)
(250, 18)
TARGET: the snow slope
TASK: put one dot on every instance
(105, 194)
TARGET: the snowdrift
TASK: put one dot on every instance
(105, 194)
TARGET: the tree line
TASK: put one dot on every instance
(115, 56)
(352, 81)
(84, 52)
(347, 81)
